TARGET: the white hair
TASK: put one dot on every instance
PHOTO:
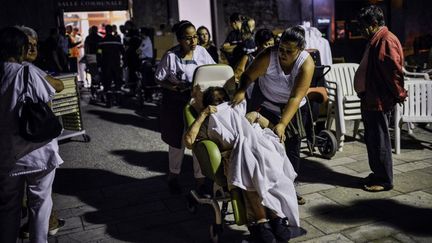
(28, 31)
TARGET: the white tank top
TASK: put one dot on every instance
(275, 85)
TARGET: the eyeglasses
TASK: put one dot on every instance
(190, 38)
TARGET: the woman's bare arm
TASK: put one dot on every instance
(257, 68)
(193, 130)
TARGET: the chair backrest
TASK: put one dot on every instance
(212, 75)
(418, 106)
(343, 74)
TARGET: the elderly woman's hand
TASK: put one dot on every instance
(252, 117)
(279, 130)
(209, 110)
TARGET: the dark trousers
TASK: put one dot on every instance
(110, 74)
(378, 144)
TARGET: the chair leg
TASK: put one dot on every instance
(356, 127)
(397, 131)
(340, 134)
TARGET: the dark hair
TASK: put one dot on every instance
(262, 36)
(180, 27)
(371, 15)
(245, 30)
(108, 29)
(12, 41)
(236, 17)
(209, 97)
(202, 27)
(294, 34)
(93, 30)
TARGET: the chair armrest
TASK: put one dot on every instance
(414, 74)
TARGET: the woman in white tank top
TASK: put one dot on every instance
(284, 74)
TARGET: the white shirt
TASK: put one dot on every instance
(146, 48)
(19, 156)
(176, 70)
(276, 85)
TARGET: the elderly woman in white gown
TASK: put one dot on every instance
(257, 163)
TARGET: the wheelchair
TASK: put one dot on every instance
(210, 160)
(317, 137)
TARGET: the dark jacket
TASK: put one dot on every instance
(384, 75)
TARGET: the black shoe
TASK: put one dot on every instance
(262, 233)
(174, 186)
(300, 200)
(280, 228)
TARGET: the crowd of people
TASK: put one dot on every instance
(265, 114)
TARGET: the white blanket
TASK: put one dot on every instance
(258, 160)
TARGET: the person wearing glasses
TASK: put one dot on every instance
(284, 74)
(174, 73)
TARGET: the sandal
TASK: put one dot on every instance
(376, 188)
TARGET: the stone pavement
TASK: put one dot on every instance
(114, 189)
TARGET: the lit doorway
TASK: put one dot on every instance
(83, 21)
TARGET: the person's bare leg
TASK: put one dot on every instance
(254, 202)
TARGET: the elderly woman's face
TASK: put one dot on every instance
(219, 98)
(32, 50)
(189, 40)
(288, 52)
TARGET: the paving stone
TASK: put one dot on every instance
(414, 155)
(359, 166)
(370, 232)
(385, 240)
(344, 170)
(313, 187)
(405, 238)
(404, 182)
(417, 199)
(340, 218)
(340, 161)
(313, 200)
(348, 196)
(412, 166)
(85, 236)
(332, 238)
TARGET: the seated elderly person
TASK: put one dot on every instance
(254, 161)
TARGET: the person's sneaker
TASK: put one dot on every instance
(54, 227)
(174, 186)
(280, 228)
(262, 233)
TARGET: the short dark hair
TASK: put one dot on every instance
(262, 36)
(12, 41)
(236, 17)
(294, 34)
(371, 15)
(209, 97)
(180, 27)
(108, 29)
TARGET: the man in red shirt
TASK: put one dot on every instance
(379, 83)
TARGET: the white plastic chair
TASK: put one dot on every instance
(417, 108)
(343, 103)
(414, 75)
